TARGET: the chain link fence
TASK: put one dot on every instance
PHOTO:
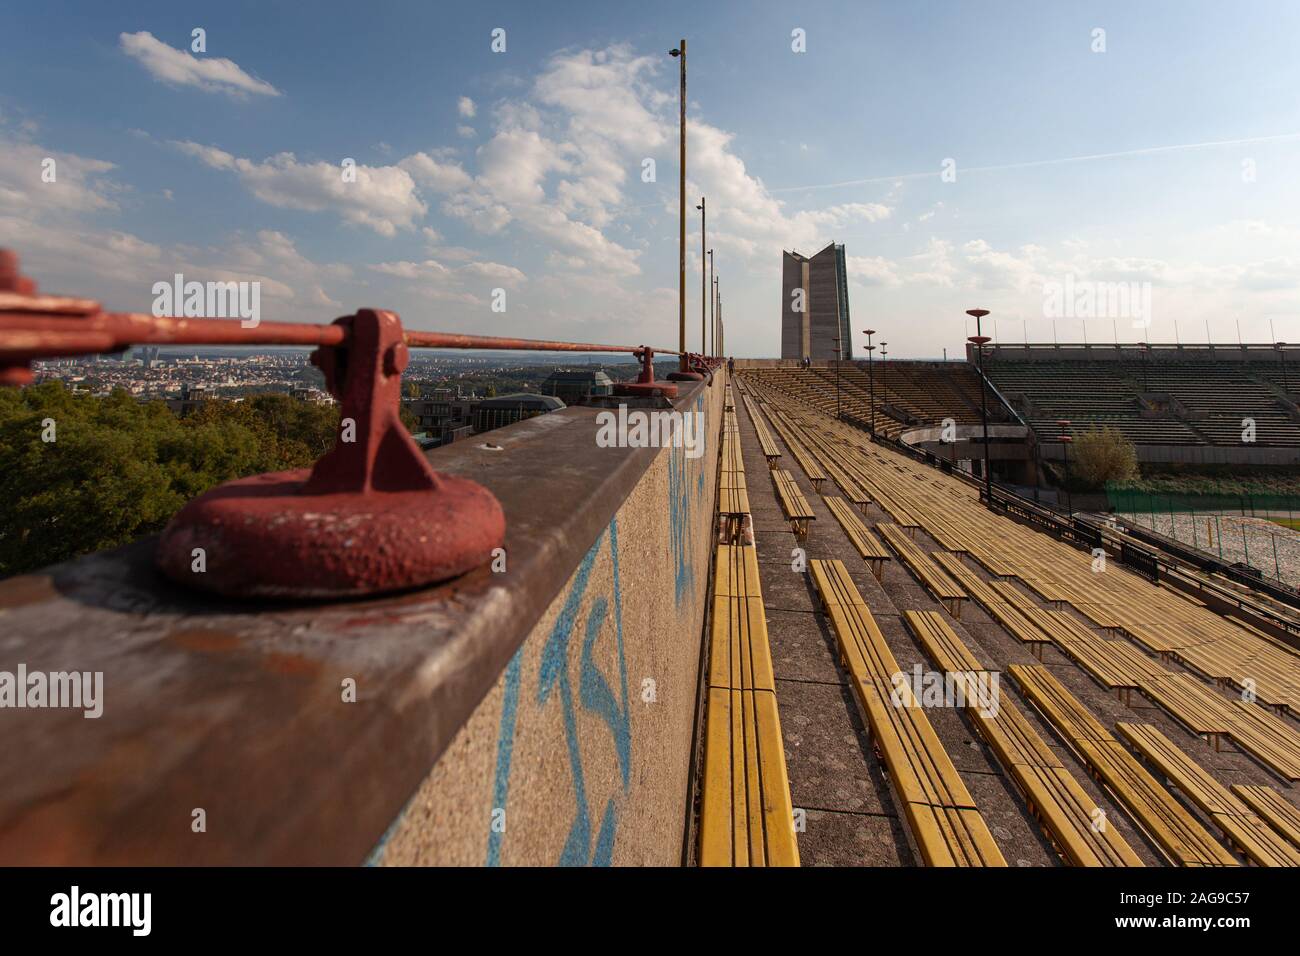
(1257, 530)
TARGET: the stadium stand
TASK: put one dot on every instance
(1116, 626)
(1176, 831)
(1179, 398)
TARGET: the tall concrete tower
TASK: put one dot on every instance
(815, 305)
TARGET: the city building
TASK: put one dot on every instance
(815, 305)
(507, 409)
(443, 414)
(574, 385)
(191, 398)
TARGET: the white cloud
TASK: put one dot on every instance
(514, 164)
(440, 177)
(382, 198)
(80, 184)
(494, 271)
(428, 269)
(432, 270)
(749, 221)
(872, 270)
(119, 268)
(182, 68)
(465, 107)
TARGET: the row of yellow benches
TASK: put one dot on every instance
(746, 814)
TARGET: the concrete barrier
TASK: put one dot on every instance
(581, 752)
(542, 712)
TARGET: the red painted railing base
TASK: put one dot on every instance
(371, 516)
(645, 385)
(264, 537)
(697, 369)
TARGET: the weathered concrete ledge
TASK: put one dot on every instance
(238, 710)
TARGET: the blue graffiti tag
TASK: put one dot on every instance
(596, 696)
(679, 511)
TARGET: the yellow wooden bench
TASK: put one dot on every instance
(1274, 808)
(793, 503)
(942, 816)
(1011, 619)
(801, 454)
(993, 560)
(941, 642)
(866, 543)
(733, 497)
(746, 816)
(1063, 808)
(1178, 834)
(944, 588)
(1109, 662)
(771, 451)
(1191, 703)
(1267, 737)
(1239, 823)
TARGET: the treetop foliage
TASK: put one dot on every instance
(119, 468)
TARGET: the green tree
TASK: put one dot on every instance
(118, 469)
(99, 483)
(1102, 455)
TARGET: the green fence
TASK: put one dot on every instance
(1254, 529)
(1256, 505)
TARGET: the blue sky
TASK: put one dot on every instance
(522, 170)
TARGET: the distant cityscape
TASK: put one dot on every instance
(450, 397)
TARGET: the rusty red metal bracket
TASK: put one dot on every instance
(371, 516)
(645, 385)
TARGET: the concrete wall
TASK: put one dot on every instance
(825, 312)
(1129, 352)
(794, 325)
(581, 752)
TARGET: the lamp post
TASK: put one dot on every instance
(680, 53)
(717, 318)
(884, 373)
(704, 274)
(871, 380)
(1281, 354)
(978, 340)
(722, 323)
(713, 322)
(1066, 440)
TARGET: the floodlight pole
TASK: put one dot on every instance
(871, 379)
(978, 340)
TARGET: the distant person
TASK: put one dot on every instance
(731, 365)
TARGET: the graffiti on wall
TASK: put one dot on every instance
(684, 500)
(579, 688)
(558, 675)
